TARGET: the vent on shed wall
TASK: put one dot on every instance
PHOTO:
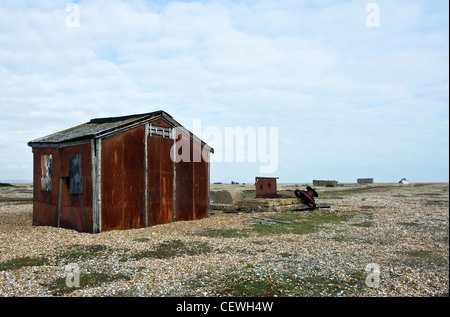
(162, 131)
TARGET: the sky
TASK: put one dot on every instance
(331, 90)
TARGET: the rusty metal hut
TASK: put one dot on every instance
(120, 173)
(266, 187)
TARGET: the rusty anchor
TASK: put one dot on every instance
(307, 196)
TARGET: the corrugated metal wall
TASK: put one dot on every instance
(191, 184)
(160, 180)
(76, 209)
(123, 180)
(45, 202)
(200, 184)
(184, 180)
(55, 206)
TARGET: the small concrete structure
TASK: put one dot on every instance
(274, 204)
(226, 196)
(364, 180)
(324, 183)
(233, 200)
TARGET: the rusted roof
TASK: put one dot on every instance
(99, 126)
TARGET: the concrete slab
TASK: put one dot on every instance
(226, 196)
(260, 205)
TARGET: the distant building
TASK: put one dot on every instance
(328, 183)
(364, 180)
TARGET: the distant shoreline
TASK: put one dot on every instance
(16, 181)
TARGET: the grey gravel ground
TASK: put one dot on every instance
(400, 229)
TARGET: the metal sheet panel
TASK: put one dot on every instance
(191, 183)
(166, 181)
(184, 182)
(160, 180)
(154, 175)
(45, 199)
(123, 180)
(200, 184)
(76, 206)
(161, 123)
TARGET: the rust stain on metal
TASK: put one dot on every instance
(161, 123)
(191, 183)
(200, 184)
(122, 172)
(154, 176)
(160, 180)
(45, 200)
(184, 179)
(166, 181)
(76, 209)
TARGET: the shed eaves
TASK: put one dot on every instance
(90, 129)
(98, 126)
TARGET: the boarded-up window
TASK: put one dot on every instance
(46, 172)
(75, 179)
